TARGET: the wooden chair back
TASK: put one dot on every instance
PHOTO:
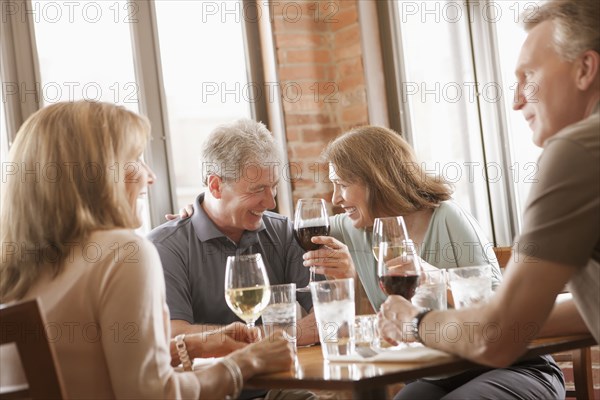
(581, 359)
(23, 324)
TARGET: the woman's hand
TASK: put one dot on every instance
(394, 320)
(333, 259)
(184, 213)
(271, 354)
(406, 261)
(215, 343)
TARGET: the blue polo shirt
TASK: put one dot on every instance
(194, 252)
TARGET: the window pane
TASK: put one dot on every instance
(440, 93)
(524, 153)
(204, 74)
(85, 51)
(3, 130)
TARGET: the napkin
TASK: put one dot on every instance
(414, 352)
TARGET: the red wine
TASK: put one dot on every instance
(402, 285)
(303, 236)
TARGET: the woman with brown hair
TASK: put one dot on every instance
(69, 213)
(376, 174)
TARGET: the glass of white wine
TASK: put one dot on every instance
(247, 290)
(390, 230)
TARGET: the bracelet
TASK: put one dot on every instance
(416, 321)
(182, 351)
(236, 375)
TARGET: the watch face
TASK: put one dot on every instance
(416, 321)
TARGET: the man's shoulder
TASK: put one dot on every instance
(275, 220)
(584, 134)
(171, 231)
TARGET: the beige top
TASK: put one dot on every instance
(108, 321)
(562, 216)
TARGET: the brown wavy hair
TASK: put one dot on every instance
(383, 161)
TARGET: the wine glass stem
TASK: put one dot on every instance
(252, 328)
(312, 274)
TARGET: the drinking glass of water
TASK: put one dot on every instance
(280, 314)
(470, 285)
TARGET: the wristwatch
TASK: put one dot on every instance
(416, 321)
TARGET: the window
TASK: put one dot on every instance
(439, 93)
(3, 129)
(524, 153)
(84, 51)
(106, 51)
(457, 87)
(205, 80)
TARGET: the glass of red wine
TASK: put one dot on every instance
(398, 266)
(310, 220)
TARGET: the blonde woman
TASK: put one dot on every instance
(68, 214)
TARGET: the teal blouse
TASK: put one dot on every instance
(453, 239)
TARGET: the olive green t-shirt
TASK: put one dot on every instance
(561, 221)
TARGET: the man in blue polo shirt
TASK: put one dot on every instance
(241, 172)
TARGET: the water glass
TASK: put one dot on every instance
(280, 314)
(470, 285)
(333, 301)
(365, 330)
(432, 290)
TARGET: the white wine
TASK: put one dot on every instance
(391, 252)
(248, 303)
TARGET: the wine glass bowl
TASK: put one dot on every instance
(247, 290)
(390, 230)
(398, 266)
(310, 220)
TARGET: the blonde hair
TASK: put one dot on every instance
(576, 27)
(67, 178)
(385, 163)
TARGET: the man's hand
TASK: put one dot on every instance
(394, 320)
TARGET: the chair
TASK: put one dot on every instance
(580, 358)
(24, 325)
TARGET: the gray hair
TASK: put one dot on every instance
(233, 146)
(576, 27)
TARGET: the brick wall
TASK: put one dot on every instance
(320, 67)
